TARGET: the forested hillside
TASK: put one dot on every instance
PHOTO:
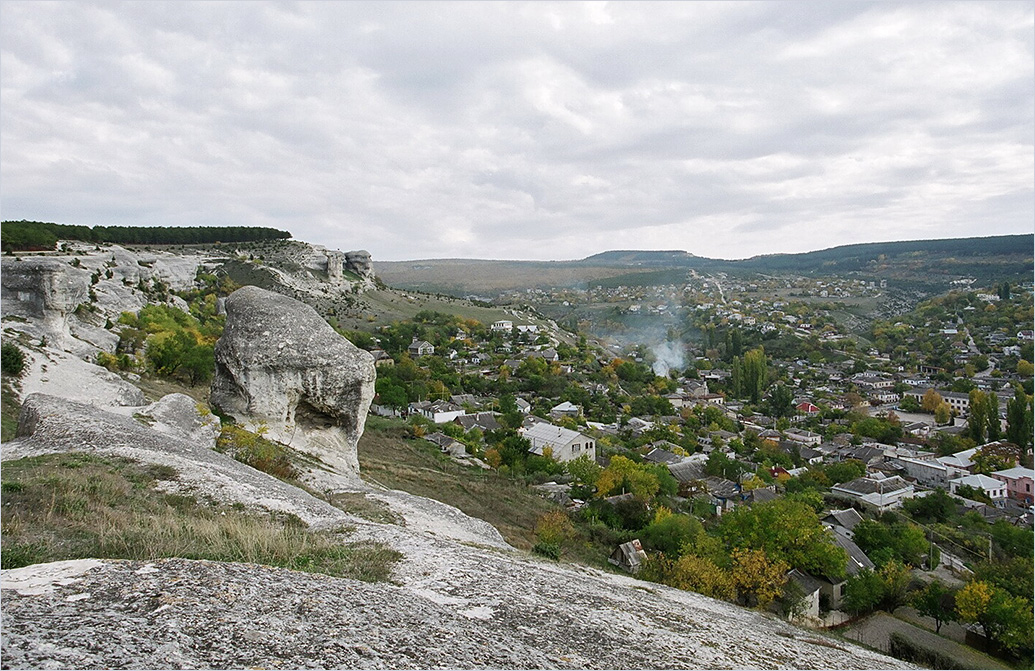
(39, 235)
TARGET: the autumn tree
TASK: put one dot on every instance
(552, 530)
(693, 573)
(931, 400)
(1005, 619)
(757, 579)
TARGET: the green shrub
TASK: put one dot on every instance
(551, 550)
(12, 359)
(256, 451)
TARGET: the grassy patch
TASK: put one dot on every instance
(361, 505)
(257, 451)
(417, 467)
(10, 408)
(72, 506)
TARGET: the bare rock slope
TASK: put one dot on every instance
(192, 614)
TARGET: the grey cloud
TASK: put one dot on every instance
(543, 129)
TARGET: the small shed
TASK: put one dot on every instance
(629, 556)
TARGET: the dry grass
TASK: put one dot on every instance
(418, 467)
(72, 506)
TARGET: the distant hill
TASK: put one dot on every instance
(642, 258)
(932, 264)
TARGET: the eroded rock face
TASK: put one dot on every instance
(359, 262)
(182, 614)
(279, 363)
(45, 290)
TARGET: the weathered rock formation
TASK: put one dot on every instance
(45, 290)
(359, 262)
(335, 266)
(279, 363)
(57, 373)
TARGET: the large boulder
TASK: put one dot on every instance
(280, 364)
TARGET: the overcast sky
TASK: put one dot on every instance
(525, 130)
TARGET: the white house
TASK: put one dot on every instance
(804, 437)
(961, 461)
(503, 325)
(930, 472)
(879, 495)
(420, 348)
(564, 444)
(993, 488)
(565, 409)
(439, 412)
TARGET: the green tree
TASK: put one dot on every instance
(625, 475)
(788, 531)
(938, 506)
(898, 541)
(12, 360)
(781, 400)
(937, 602)
(754, 374)
(671, 532)
(863, 592)
(996, 457)
(1019, 419)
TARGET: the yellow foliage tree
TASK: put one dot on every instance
(493, 458)
(757, 579)
(931, 401)
(972, 600)
(554, 527)
(701, 575)
(625, 474)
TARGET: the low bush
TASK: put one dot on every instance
(257, 451)
(12, 359)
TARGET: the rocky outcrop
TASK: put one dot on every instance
(359, 262)
(57, 373)
(44, 290)
(181, 416)
(177, 613)
(280, 364)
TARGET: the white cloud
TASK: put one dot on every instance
(514, 130)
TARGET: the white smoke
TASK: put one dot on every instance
(668, 355)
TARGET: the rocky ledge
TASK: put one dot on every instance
(192, 614)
